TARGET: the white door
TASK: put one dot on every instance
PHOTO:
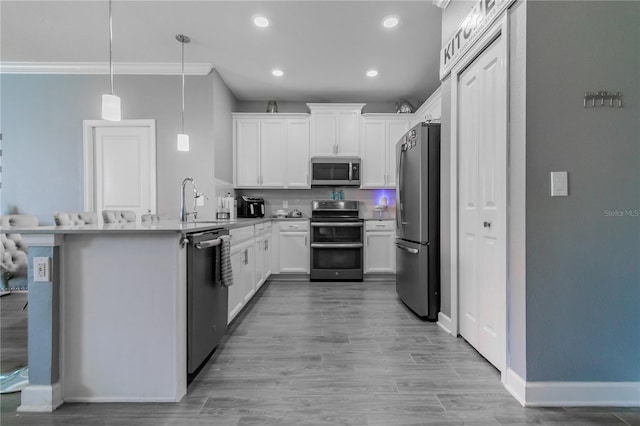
(120, 166)
(482, 203)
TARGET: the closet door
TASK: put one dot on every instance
(482, 203)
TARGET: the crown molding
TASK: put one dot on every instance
(131, 68)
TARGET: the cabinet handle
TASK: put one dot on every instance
(367, 240)
(246, 256)
(305, 240)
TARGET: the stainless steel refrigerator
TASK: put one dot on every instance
(418, 219)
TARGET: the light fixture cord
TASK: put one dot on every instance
(110, 47)
(183, 87)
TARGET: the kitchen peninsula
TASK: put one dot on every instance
(107, 316)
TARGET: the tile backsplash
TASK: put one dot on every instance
(300, 199)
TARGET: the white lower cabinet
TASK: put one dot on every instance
(243, 265)
(379, 250)
(292, 252)
(263, 253)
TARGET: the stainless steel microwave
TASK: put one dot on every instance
(335, 171)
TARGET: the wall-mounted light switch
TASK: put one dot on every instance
(42, 269)
(559, 184)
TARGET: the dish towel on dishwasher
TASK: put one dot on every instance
(225, 260)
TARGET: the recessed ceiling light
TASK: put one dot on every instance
(372, 73)
(277, 73)
(390, 21)
(260, 21)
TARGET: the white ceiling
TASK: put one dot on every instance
(324, 47)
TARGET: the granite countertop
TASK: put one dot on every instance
(162, 226)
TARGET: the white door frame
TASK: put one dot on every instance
(88, 127)
(499, 28)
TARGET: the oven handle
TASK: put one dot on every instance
(338, 224)
(338, 246)
(209, 243)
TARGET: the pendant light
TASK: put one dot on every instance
(111, 102)
(183, 138)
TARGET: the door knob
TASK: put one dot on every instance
(487, 224)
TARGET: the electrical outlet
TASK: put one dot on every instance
(285, 204)
(42, 269)
(200, 201)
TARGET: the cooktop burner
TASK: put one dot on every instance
(335, 210)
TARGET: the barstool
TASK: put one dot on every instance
(118, 216)
(75, 218)
(14, 259)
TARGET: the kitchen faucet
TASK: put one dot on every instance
(184, 215)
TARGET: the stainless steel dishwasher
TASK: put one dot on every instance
(206, 297)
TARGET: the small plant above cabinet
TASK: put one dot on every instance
(335, 129)
(271, 150)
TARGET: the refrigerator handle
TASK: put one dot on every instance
(407, 249)
(399, 184)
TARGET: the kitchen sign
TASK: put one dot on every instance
(473, 25)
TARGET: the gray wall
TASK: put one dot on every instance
(42, 136)
(516, 195)
(445, 200)
(583, 273)
(574, 270)
(224, 103)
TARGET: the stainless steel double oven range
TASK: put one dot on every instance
(336, 241)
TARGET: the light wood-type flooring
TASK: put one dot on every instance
(332, 353)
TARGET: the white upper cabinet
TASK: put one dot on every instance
(335, 129)
(431, 109)
(246, 145)
(271, 151)
(380, 133)
(297, 154)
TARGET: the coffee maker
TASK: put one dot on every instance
(250, 206)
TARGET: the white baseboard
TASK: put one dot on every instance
(40, 398)
(583, 394)
(572, 394)
(445, 322)
(127, 399)
(516, 386)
